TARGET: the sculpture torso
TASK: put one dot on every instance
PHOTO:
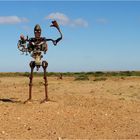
(37, 44)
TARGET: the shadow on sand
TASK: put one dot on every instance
(14, 100)
(11, 100)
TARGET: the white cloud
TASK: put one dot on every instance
(12, 19)
(102, 21)
(80, 22)
(26, 28)
(65, 20)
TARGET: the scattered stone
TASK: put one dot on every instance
(54, 132)
(3, 132)
(92, 91)
(4, 113)
(115, 130)
(25, 125)
(29, 128)
(59, 138)
(131, 86)
(18, 118)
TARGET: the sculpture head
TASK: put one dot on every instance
(37, 31)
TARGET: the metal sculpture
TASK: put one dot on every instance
(35, 46)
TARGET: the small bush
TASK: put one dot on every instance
(100, 79)
(82, 77)
(99, 73)
(26, 74)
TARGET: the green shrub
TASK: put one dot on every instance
(100, 79)
(82, 77)
(26, 74)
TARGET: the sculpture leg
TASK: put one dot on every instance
(44, 65)
(32, 66)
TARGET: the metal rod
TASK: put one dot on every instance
(32, 65)
(44, 65)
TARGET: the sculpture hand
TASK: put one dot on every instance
(22, 37)
(55, 24)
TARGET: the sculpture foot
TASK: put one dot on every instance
(28, 101)
(44, 101)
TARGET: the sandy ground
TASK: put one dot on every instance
(91, 109)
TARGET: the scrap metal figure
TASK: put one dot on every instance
(35, 47)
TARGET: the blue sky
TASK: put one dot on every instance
(97, 36)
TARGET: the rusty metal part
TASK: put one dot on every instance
(44, 66)
(32, 66)
(55, 24)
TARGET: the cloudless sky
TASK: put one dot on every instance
(97, 36)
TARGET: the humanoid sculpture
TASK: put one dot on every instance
(35, 47)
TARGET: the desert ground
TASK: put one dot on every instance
(89, 109)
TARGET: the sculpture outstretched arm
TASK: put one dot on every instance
(55, 24)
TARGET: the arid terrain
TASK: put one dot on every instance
(88, 109)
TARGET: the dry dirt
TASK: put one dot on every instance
(91, 109)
